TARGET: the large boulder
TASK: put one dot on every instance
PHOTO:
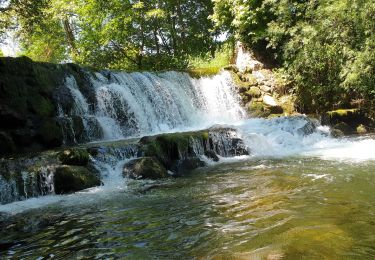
(74, 156)
(145, 168)
(29, 94)
(186, 165)
(348, 121)
(181, 152)
(69, 179)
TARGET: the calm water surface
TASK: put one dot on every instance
(295, 208)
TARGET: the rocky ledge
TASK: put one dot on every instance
(151, 157)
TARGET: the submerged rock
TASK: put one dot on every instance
(186, 165)
(308, 128)
(145, 168)
(211, 155)
(69, 179)
(344, 128)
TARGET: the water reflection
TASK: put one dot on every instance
(266, 209)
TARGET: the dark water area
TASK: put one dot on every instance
(290, 208)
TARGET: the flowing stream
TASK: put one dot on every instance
(299, 194)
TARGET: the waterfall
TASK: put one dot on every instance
(136, 104)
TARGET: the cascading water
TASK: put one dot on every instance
(282, 190)
(135, 104)
(118, 105)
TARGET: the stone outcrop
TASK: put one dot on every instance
(182, 152)
(145, 168)
(262, 92)
(347, 122)
(29, 92)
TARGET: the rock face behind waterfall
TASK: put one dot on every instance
(29, 94)
(46, 105)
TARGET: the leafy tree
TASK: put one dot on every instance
(118, 34)
(327, 47)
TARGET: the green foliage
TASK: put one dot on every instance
(326, 47)
(1, 53)
(116, 34)
(220, 59)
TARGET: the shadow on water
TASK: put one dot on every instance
(259, 209)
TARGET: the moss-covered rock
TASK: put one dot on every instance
(69, 179)
(29, 92)
(145, 168)
(180, 152)
(336, 133)
(254, 92)
(238, 82)
(186, 165)
(50, 133)
(74, 156)
(203, 72)
(344, 128)
(231, 67)
(361, 129)
(250, 79)
(351, 117)
(169, 148)
(257, 109)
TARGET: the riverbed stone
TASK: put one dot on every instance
(69, 179)
(344, 128)
(145, 168)
(186, 165)
(211, 155)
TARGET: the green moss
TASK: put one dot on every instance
(169, 148)
(238, 82)
(254, 92)
(288, 104)
(342, 112)
(74, 178)
(275, 115)
(74, 156)
(231, 67)
(361, 129)
(251, 79)
(145, 168)
(41, 106)
(257, 109)
(203, 72)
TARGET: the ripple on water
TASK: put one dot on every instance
(289, 208)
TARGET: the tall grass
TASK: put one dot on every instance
(207, 65)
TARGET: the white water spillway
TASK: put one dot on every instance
(135, 104)
(119, 105)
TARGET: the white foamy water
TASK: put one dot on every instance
(283, 137)
(136, 104)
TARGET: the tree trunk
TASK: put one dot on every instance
(70, 36)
